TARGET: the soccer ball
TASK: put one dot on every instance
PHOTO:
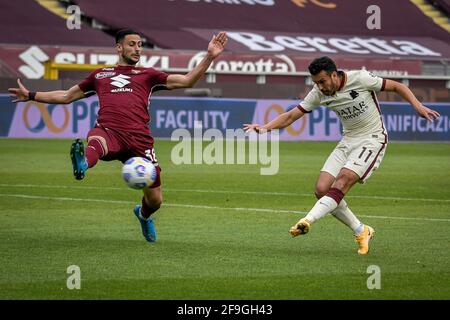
(139, 173)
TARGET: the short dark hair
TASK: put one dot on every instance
(124, 32)
(322, 63)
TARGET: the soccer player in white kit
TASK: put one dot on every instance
(351, 95)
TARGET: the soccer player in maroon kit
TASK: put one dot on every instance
(122, 127)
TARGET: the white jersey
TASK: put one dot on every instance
(355, 103)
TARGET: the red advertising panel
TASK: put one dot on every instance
(28, 61)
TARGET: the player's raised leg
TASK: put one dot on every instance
(330, 170)
(78, 158)
(83, 159)
(96, 149)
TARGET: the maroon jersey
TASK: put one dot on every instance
(123, 94)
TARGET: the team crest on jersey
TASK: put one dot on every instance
(354, 94)
(102, 75)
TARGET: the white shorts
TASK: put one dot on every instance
(361, 155)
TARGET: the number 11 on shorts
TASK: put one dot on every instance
(368, 156)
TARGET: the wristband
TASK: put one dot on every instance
(31, 95)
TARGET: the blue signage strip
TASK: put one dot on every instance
(36, 120)
(403, 123)
(170, 114)
(7, 109)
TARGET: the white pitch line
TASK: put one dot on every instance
(204, 207)
(306, 195)
(25, 196)
(46, 186)
(221, 191)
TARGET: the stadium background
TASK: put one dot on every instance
(262, 72)
(265, 59)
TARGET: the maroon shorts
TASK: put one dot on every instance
(123, 146)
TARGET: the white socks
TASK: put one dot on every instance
(341, 212)
(346, 216)
(323, 206)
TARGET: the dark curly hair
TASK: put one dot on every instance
(124, 32)
(322, 63)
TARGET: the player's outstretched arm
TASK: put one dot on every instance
(215, 48)
(21, 94)
(282, 121)
(407, 94)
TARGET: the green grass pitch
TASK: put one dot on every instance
(223, 230)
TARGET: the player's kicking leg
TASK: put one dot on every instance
(342, 212)
(331, 202)
(323, 185)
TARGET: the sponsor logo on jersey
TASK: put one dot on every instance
(122, 90)
(135, 71)
(120, 82)
(108, 69)
(352, 112)
(102, 75)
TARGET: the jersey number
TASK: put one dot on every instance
(150, 153)
(362, 153)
